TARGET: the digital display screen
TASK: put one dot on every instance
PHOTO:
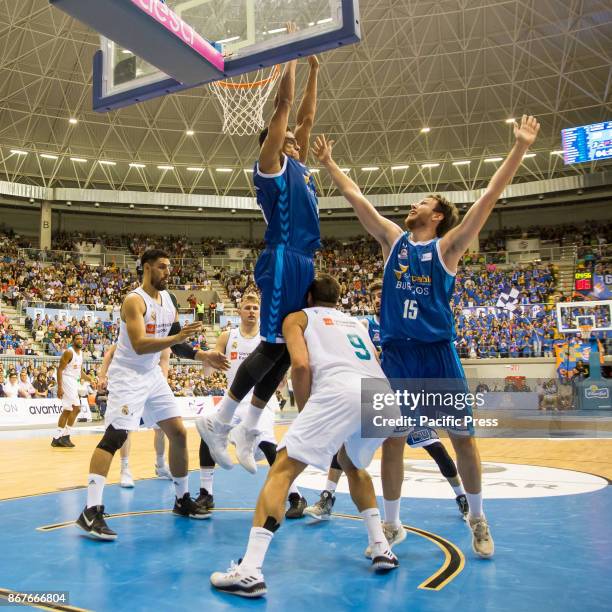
(587, 143)
(583, 281)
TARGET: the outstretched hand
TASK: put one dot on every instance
(527, 131)
(322, 149)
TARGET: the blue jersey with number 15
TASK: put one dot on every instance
(416, 295)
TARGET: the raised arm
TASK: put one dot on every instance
(456, 242)
(383, 230)
(270, 153)
(293, 332)
(307, 110)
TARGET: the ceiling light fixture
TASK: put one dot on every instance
(48, 156)
(492, 160)
(400, 167)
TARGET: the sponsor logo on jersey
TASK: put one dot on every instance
(150, 328)
(426, 256)
(328, 321)
(234, 355)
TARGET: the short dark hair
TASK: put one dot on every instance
(325, 289)
(451, 214)
(152, 255)
(264, 134)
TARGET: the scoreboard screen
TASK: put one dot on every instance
(587, 143)
(583, 281)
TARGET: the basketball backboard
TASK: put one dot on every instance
(571, 316)
(247, 35)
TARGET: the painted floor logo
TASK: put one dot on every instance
(500, 481)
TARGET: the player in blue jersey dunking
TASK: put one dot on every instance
(284, 271)
(416, 318)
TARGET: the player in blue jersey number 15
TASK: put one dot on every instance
(416, 319)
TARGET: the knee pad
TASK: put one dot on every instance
(113, 439)
(255, 367)
(445, 462)
(269, 450)
(334, 463)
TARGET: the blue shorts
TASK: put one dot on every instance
(421, 362)
(283, 276)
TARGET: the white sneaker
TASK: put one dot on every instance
(239, 581)
(245, 441)
(163, 472)
(215, 435)
(126, 481)
(394, 536)
(383, 558)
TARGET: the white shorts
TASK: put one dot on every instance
(330, 419)
(136, 395)
(70, 397)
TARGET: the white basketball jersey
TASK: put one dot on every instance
(72, 372)
(237, 349)
(338, 345)
(158, 319)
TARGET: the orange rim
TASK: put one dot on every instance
(252, 84)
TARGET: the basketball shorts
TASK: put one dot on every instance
(331, 418)
(70, 396)
(283, 276)
(424, 361)
(134, 395)
(421, 437)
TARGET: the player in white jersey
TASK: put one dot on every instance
(159, 438)
(330, 355)
(237, 344)
(137, 389)
(69, 372)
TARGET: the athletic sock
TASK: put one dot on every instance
(392, 510)
(475, 504)
(125, 464)
(59, 433)
(331, 486)
(252, 417)
(293, 489)
(259, 540)
(181, 485)
(458, 489)
(371, 518)
(95, 488)
(227, 407)
(206, 479)
(160, 461)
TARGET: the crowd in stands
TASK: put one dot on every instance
(356, 263)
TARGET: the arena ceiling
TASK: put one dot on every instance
(457, 67)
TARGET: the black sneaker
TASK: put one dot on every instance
(205, 499)
(92, 521)
(297, 505)
(67, 442)
(58, 442)
(464, 507)
(186, 506)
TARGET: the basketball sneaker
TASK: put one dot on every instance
(482, 542)
(239, 580)
(322, 509)
(215, 435)
(163, 472)
(383, 558)
(297, 505)
(126, 481)
(462, 502)
(186, 506)
(205, 499)
(68, 443)
(58, 443)
(245, 441)
(92, 521)
(394, 536)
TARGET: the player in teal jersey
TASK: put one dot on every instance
(416, 318)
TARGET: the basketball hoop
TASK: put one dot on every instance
(585, 331)
(242, 100)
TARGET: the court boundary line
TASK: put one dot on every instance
(454, 560)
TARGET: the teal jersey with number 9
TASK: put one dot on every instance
(417, 290)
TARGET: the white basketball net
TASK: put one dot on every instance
(242, 100)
